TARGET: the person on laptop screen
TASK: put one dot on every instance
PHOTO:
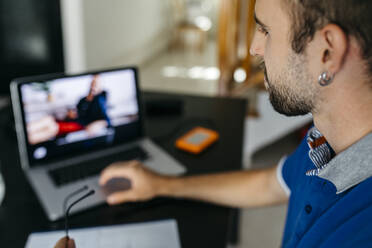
(92, 109)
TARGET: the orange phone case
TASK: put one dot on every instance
(204, 137)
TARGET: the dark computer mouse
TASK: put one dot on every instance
(116, 184)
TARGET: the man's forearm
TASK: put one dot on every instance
(234, 189)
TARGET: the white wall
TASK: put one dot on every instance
(73, 35)
(102, 34)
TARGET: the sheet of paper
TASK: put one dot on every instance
(158, 234)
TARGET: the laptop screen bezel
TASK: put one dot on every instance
(19, 113)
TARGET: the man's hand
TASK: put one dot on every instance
(62, 243)
(145, 184)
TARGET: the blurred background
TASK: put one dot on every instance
(181, 46)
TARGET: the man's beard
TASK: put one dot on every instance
(292, 93)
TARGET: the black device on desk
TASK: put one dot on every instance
(70, 127)
(169, 107)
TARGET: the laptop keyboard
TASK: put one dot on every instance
(76, 172)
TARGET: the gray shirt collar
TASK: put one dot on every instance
(351, 166)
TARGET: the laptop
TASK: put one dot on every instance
(70, 127)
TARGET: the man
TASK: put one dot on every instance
(318, 59)
(93, 107)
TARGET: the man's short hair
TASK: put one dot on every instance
(353, 16)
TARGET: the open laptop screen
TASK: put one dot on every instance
(72, 115)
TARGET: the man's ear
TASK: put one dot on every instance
(335, 45)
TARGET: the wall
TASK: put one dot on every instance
(102, 34)
(73, 35)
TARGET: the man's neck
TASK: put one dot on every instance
(346, 118)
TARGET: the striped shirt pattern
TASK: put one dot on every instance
(320, 153)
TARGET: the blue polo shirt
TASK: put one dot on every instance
(330, 197)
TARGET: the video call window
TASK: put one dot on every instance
(71, 110)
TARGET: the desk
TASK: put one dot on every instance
(200, 224)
